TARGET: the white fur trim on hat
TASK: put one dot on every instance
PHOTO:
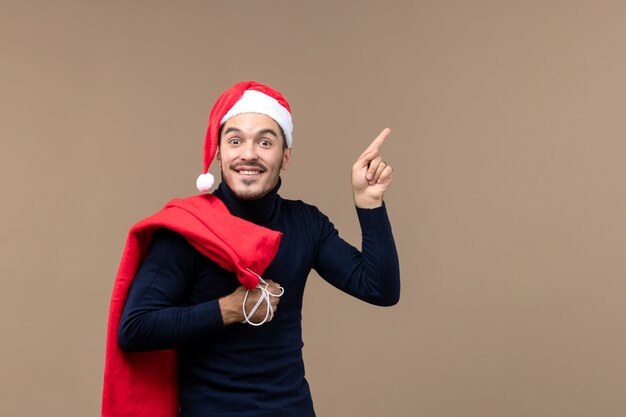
(253, 101)
(205, 182)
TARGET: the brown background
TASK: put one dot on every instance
(508, 203)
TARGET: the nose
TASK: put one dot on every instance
(248, 152)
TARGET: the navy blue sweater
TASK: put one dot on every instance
(242, 370)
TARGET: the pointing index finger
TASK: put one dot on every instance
(380, 139)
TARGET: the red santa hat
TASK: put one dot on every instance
(243, 97)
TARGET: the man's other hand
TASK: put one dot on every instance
(231, 305)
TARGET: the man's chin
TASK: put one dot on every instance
(249, 189)
(248, 193)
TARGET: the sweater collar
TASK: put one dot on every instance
(258, 211)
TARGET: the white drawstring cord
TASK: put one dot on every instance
(265, 296)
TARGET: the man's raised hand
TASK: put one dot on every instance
(371, 175)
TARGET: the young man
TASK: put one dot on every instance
(218, 280)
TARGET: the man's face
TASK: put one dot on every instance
(251, 155)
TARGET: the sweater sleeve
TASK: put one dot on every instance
(154, 316)
(372, 275)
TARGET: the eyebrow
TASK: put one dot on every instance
(259, 133)
(266, 131)
(231, 129)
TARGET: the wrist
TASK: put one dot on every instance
(231, 311)
(367, 202)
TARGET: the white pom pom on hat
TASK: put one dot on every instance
(243, 97)
(205, 182)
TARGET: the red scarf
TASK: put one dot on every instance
(144, 384)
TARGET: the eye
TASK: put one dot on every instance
(234, 141)
(265, 142)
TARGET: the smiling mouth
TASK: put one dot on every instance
(248, 172)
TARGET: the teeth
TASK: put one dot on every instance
(248, 172)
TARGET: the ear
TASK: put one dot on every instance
(286, 158)
(218, 157)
